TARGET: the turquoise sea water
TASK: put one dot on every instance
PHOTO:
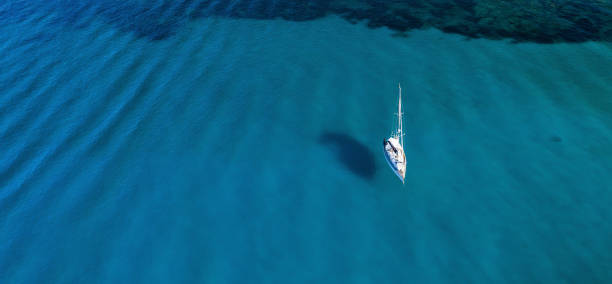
(242, 150)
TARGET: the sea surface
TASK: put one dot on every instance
(211, 145)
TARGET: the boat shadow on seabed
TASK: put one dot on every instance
(355, 156)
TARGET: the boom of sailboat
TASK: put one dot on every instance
(394, 145)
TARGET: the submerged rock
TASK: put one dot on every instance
(555, 138)
(544, 21)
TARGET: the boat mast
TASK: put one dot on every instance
(399, 116)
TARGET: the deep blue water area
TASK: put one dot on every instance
(240, 141)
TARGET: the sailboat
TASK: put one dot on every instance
(394, 145)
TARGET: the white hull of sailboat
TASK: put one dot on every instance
(397, 162)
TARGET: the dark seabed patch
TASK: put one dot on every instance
(354, 155)
(545, 21)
